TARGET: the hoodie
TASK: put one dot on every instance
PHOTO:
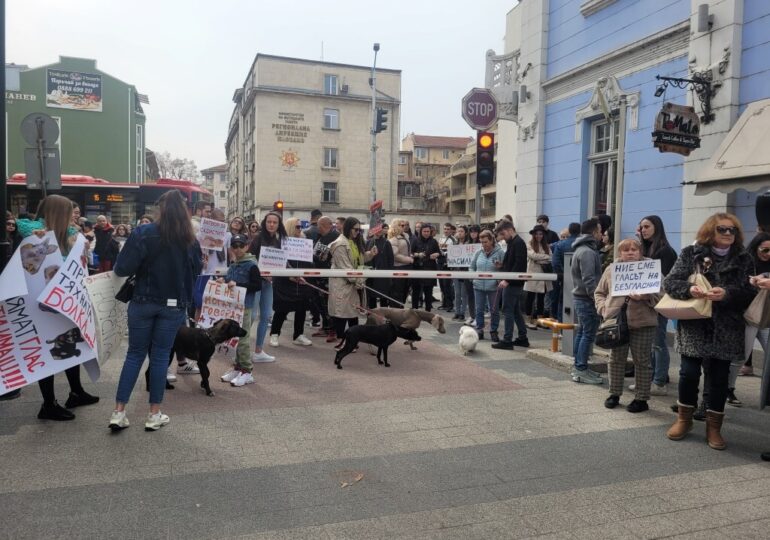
(586, 267)
(245, 273)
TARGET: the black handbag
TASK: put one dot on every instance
(126, 291)
(613, 333)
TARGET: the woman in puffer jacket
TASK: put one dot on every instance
(642, 324)
(489, 259)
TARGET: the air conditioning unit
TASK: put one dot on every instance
(344, 89)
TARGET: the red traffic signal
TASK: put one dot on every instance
(485, 158)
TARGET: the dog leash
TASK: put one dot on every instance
(385, 296)
(359, 307)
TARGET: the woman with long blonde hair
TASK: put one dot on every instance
(402, 258)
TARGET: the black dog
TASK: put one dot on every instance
(199, 344)
(65, 344)
(382, 336)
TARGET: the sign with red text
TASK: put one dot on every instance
(222, 302)
(636, 277)
(461, 255)
(212, 234)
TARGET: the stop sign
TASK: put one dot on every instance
(480, 108)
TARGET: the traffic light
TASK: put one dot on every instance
(382, 120)
(278, 207)
(485, 158)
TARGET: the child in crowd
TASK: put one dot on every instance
(244, 272)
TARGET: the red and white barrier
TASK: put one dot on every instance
(403, 274)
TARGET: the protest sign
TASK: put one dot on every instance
(271, 258)
(222, 302)
(110, 314)
(376, 217)
(212, 234)
(461, 255)
(636, 277)
(298, 249)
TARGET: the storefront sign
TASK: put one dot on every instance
(18, 96)
(677, 129)
(73, 90)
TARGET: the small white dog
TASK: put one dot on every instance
(468, 339)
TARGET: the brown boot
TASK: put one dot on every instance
(713, 427)
(683, 424)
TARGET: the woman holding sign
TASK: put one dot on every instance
(713, 343)
(642, 322)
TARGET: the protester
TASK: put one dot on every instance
(121, 235)
(11, 230)
(463, 288)
(538, 256)
(322, 260)
(564, 234)
(586, 272)
(54, 213)
(407, 230)
(164, 257)
(201, 210)
(244, 272)
(762, 281)
(515, 260)
(237, 226)
(380, 288)
(253, 230)
(759, 249)
(145, 219)
(402, 258)
(312, 231)
(557, 262)
(642, 323)
(106, 247)
(347, 252)
(655, 245)
(488, 259)
(550, 236)
(425, 252)
(340, 224)
(608, 248)
(719, 340)
(76, 214)
(291, 295)
(271, 234)
(445, 284)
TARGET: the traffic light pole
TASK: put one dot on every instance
(374, 125)
(477, 205)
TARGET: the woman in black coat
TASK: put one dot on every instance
(715, 342)
(384, 260)
(425, 251)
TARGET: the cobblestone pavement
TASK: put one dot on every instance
(491, 445)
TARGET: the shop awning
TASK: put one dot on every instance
(742, 161)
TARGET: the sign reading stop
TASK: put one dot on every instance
(480, 108)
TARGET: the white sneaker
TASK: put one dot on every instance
(302, 340)
(118, 421)
(632, 387)
(262, 358)
(156, 421)
(470, 320)
(274, 340)
(190, 368)
(230, 375)
(658, 390)
(170, 374)
(242, 379)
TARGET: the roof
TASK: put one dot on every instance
(216, 168)
(429, 141)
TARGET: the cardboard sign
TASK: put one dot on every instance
(272, 258)
(212, 234)
(639, 277)
(222, 302)
(298, 249)
(111, 316)
(461, 255)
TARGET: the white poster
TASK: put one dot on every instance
(639, 277)
(212, 234)
(109, 313)
(461, 255)
(298, 249)
(222, 302)
(271, 258)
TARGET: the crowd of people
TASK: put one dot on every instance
(172, 271)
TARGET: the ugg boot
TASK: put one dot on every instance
(683, 424)
(713, 427)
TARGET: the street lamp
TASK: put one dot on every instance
(373, 84)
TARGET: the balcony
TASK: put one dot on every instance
(487, 212)
(458, 191)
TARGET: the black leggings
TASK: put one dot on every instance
(46, 385)
(280, 316)
(340, 323)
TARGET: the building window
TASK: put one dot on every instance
(139, 154)
(331, 119)
(330, 158)
(418, 172)
(329, 194)
(330, 85)
(402, 160)
(603, 166)
(408, 190)
(445, 154)
(421, 153)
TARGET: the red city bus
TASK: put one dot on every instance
(120, 202)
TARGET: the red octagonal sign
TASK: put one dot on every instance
(480, 108)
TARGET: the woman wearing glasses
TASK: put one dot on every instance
(12, 231)
(715, 342)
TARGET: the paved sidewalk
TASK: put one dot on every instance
(492, 445)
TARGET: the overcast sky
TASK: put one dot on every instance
(188, 56)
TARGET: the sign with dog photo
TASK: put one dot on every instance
(222, 302)
(212, 234)
(36, 341)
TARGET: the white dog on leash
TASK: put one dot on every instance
(468, 339)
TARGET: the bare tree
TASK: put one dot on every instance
(177, 168)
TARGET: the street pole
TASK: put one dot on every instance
(477, 206)
(4, 244)
(620, 172)
(374, 124)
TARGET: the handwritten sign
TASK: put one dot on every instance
(298, 249)
(639, 277)
(212, 234)
(222, 302)
(111, 315)
(461, 255)
(271, 258)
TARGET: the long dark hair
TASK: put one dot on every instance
(174, 222)
(754, 245)
(347, 228)
(658, 240)
(264, 236)
(467, 238)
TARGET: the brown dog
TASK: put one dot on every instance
(407, 318)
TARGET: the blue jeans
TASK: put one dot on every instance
(660, 359)
(149, 324)
(585, 333)
(460, 299)
(482, 297)
(263, 303)
(512, 312)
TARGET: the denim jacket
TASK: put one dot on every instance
(241, 272)
(162, 272)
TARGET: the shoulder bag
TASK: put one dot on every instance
(614, 332)
(692, 308)
(758, 313)
(126, 291)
